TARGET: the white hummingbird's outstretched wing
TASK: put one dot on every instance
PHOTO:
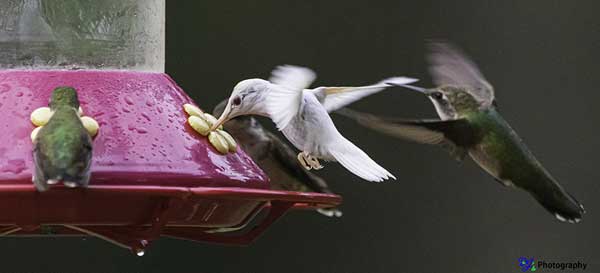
(355, 160)
(293, 77)
(285, 96)
(334, 98)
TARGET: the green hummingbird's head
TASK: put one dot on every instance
(450, 101)
(64, 96)
(453, 101)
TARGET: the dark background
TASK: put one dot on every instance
(440, 215)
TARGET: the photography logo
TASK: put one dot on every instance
(527, 264)
(543, 265)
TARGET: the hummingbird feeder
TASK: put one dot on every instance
(152, 174)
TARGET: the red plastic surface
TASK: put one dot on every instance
(143, 139)
(152, 175)
(134, 216)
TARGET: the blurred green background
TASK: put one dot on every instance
(440, 215)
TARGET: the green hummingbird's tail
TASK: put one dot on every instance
(558, 201)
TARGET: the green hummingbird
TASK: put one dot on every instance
(63, 148)
(471, 125)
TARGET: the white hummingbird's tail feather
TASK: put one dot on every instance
(338, 97)
(358, 162)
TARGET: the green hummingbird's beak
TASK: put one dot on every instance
(412, 87)
(223, 118)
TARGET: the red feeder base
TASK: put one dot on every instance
(152, 174)
(134, 216)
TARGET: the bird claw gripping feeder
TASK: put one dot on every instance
(152, 173)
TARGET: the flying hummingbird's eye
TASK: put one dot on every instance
(236, 101)
(437, 95)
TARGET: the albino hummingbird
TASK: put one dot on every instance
(275, 157)
(471, 124)
(63, 147)
(303, 116)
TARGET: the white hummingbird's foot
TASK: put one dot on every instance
(303, 161)
(314, 162)
(309, 162)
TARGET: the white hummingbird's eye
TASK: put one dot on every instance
(236, 101)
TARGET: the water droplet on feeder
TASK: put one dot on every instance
(128, 100)
(145, 116)
(142, 130)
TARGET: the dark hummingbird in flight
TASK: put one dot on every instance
(275, 157)
(471, 125)
(63, 147)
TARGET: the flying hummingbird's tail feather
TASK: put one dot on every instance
(558, 202)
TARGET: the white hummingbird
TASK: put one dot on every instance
(302, 115)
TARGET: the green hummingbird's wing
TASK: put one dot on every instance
(448, 65)
(455, 136)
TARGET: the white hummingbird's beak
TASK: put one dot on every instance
(223, 118)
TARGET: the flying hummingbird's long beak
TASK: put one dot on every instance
(412, 87)
(223, 118)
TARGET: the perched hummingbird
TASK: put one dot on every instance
(470, 124)
(63, 147)
(303, 116)
(275, 157)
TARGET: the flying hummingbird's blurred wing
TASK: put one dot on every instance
(334, 98)
(285, 96)
(450, 66)
(456, 136)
